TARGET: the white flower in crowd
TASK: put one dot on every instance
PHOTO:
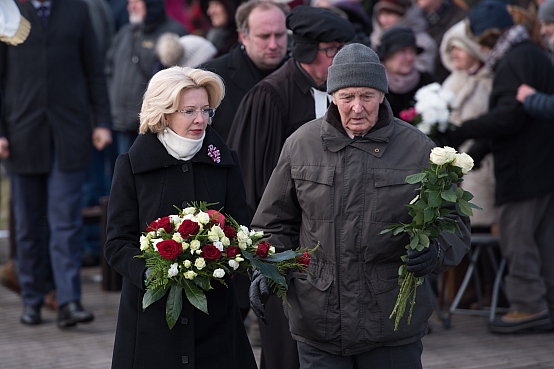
(189, 217)
(447, 96)
(442, 155)
(425, 127)
(219, 245)
(185, 245)
(245, 229)
(200, 263)
(187, 263)
(190, 275)
(219, 273)
(258, 234)
(239, 259)
(463, 161)
(177, 237)
(202, 217)
(272, 249)
(198, 252)
(190, 210)
(173, 270)
(160, 232)
(215, 233)
(234, 264)
(429, 116)
(194, 245)
(144, 243)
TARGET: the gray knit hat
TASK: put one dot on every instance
(356, 65)
(546, 11)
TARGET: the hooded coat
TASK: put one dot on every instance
(148, 182)
(342, 193)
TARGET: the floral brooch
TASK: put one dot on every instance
(213, 152)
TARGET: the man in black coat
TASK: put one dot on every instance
(262, 49)
(272, 110)
(523, 151)
(52, 84)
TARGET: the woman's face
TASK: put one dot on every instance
(193, 99)
(463, 60)
(217, 13)
(401, 62)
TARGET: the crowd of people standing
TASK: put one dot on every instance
(303, 102)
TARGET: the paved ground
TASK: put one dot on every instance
(467, 345)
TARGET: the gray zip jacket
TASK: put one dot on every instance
(342, 192)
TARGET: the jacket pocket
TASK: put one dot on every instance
(310, 306)
(392, 193)
(315, 183)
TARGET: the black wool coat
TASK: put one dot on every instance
(147, 183)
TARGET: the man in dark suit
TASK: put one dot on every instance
(262, 49)
(52, 84)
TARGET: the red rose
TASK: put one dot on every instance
(263, 249)
(216, 217)
(230, 232)
(188, 228)
(169, 249)
(232, 251)
(304, 260)
(210, 252)
(162, 223)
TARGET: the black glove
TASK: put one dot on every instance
(425, 261)
(259, 294)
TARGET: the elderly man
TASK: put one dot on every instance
(262, 49)
(340, 181)
(268, 114)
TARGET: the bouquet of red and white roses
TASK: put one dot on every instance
(189, 250)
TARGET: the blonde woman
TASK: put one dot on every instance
(177, 159)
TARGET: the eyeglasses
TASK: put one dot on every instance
(331, 51)
(191, 113)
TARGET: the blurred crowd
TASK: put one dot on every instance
(88, 63)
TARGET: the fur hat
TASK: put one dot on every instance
(488, 14)
(546, 11)
(356, 65)
(394, 39)
(310, 26)
(185, 51)
(456, 37)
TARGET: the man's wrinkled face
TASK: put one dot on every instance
(266, 41)
(358, 108)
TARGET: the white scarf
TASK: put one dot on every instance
(180, 147)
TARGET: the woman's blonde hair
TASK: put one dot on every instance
(164, 93)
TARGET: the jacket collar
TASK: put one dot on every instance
(375, 142)
(148, 153)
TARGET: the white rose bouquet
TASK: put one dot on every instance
(189, 250)
(431, 111)
(437, 194)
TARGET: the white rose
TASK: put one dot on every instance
(244, 229)
(187, 263)
(190, 274)
(242, 236)
(442, 155)
(177, 237)
(194, 245)
(219, 273)
(234, 264)
(225, 241)
(189, 217)
(258, 234)
(198, 252)
(144, 243)
(189, 210)
(271, 249)
(463, 161)
(203, 217)
(242, 245)
(200, 263)
(175, 220)
(173, 270)
(185, 245)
